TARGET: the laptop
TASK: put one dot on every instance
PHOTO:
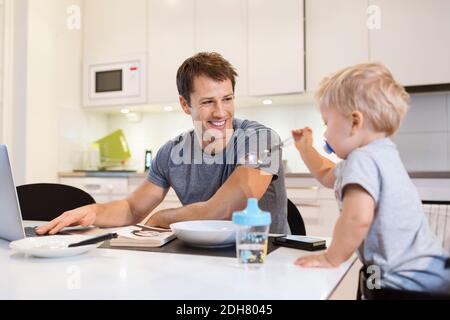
(11, 224)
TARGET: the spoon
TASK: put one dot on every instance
(259, 159)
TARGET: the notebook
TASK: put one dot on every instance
(142, 236)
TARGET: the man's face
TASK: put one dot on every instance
(211, 109)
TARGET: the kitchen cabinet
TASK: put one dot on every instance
(413, 40)
(114, 28)
(106, 189)
(101, 189)
(275, 47)
(170, 41)
(336, 37)
(410, 39)
(318, 207)
(261, 38)
(221, 26)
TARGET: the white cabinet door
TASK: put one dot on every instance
(101, 189)
(114, 28)
(336, 37)
(275, 44)
(221, 26)
(170, 41)
(413, 40)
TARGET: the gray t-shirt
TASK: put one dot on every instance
(399, 241)
(196, 176)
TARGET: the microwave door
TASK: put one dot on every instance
(109, 81)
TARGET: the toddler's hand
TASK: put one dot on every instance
(303, 138)
(314, 261)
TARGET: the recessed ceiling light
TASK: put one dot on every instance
(168, 108)
(125, 111)
(267, 102)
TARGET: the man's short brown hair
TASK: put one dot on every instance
(209, 64)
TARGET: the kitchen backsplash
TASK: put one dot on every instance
(155, 129)
(423, 140)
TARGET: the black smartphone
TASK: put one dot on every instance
(301, 242)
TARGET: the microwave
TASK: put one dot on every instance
(116, 83)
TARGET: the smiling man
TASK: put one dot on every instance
(213, 168)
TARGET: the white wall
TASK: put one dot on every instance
(54, 89)
(14, 73)
(2, 29)
(424, 138)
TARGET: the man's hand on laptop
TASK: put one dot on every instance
(84, 216)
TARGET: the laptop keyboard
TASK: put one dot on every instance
(30, 232)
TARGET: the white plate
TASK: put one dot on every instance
(206, 233)
(52, 246)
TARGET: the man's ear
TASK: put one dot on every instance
(357, 121)
(184, 105)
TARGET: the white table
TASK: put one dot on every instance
(121, 274)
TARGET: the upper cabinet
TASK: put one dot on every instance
(263, 39)
(275, 47)
(408, 36)
(114, 28)
(221, 26)
(413, 40)
(336, 37)
(170, 41)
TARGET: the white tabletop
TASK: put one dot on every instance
(122, 274)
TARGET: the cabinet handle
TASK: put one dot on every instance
(93, 186)
(303, 188)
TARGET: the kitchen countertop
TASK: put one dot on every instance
(412, 175)
(128, 174)
(123, 274)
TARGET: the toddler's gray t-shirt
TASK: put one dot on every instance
(399, 241)
(196, 176)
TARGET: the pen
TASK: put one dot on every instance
(94, 240)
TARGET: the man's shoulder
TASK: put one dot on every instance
(245, 124)
(248, 126)
(176, 141)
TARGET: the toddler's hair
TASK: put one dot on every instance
(370, 89)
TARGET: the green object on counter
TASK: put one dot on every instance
(114, 149)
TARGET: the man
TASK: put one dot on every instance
(213, 169)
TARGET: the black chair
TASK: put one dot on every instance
(44, 201)
(430, 208)
(295, 220)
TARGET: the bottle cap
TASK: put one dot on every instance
(252, 215)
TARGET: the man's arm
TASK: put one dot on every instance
(244, 183)
(113, 214)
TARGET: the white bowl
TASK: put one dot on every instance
(52, 246)
(205, 233)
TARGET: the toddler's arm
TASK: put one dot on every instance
(350, 231)
(320, 167)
